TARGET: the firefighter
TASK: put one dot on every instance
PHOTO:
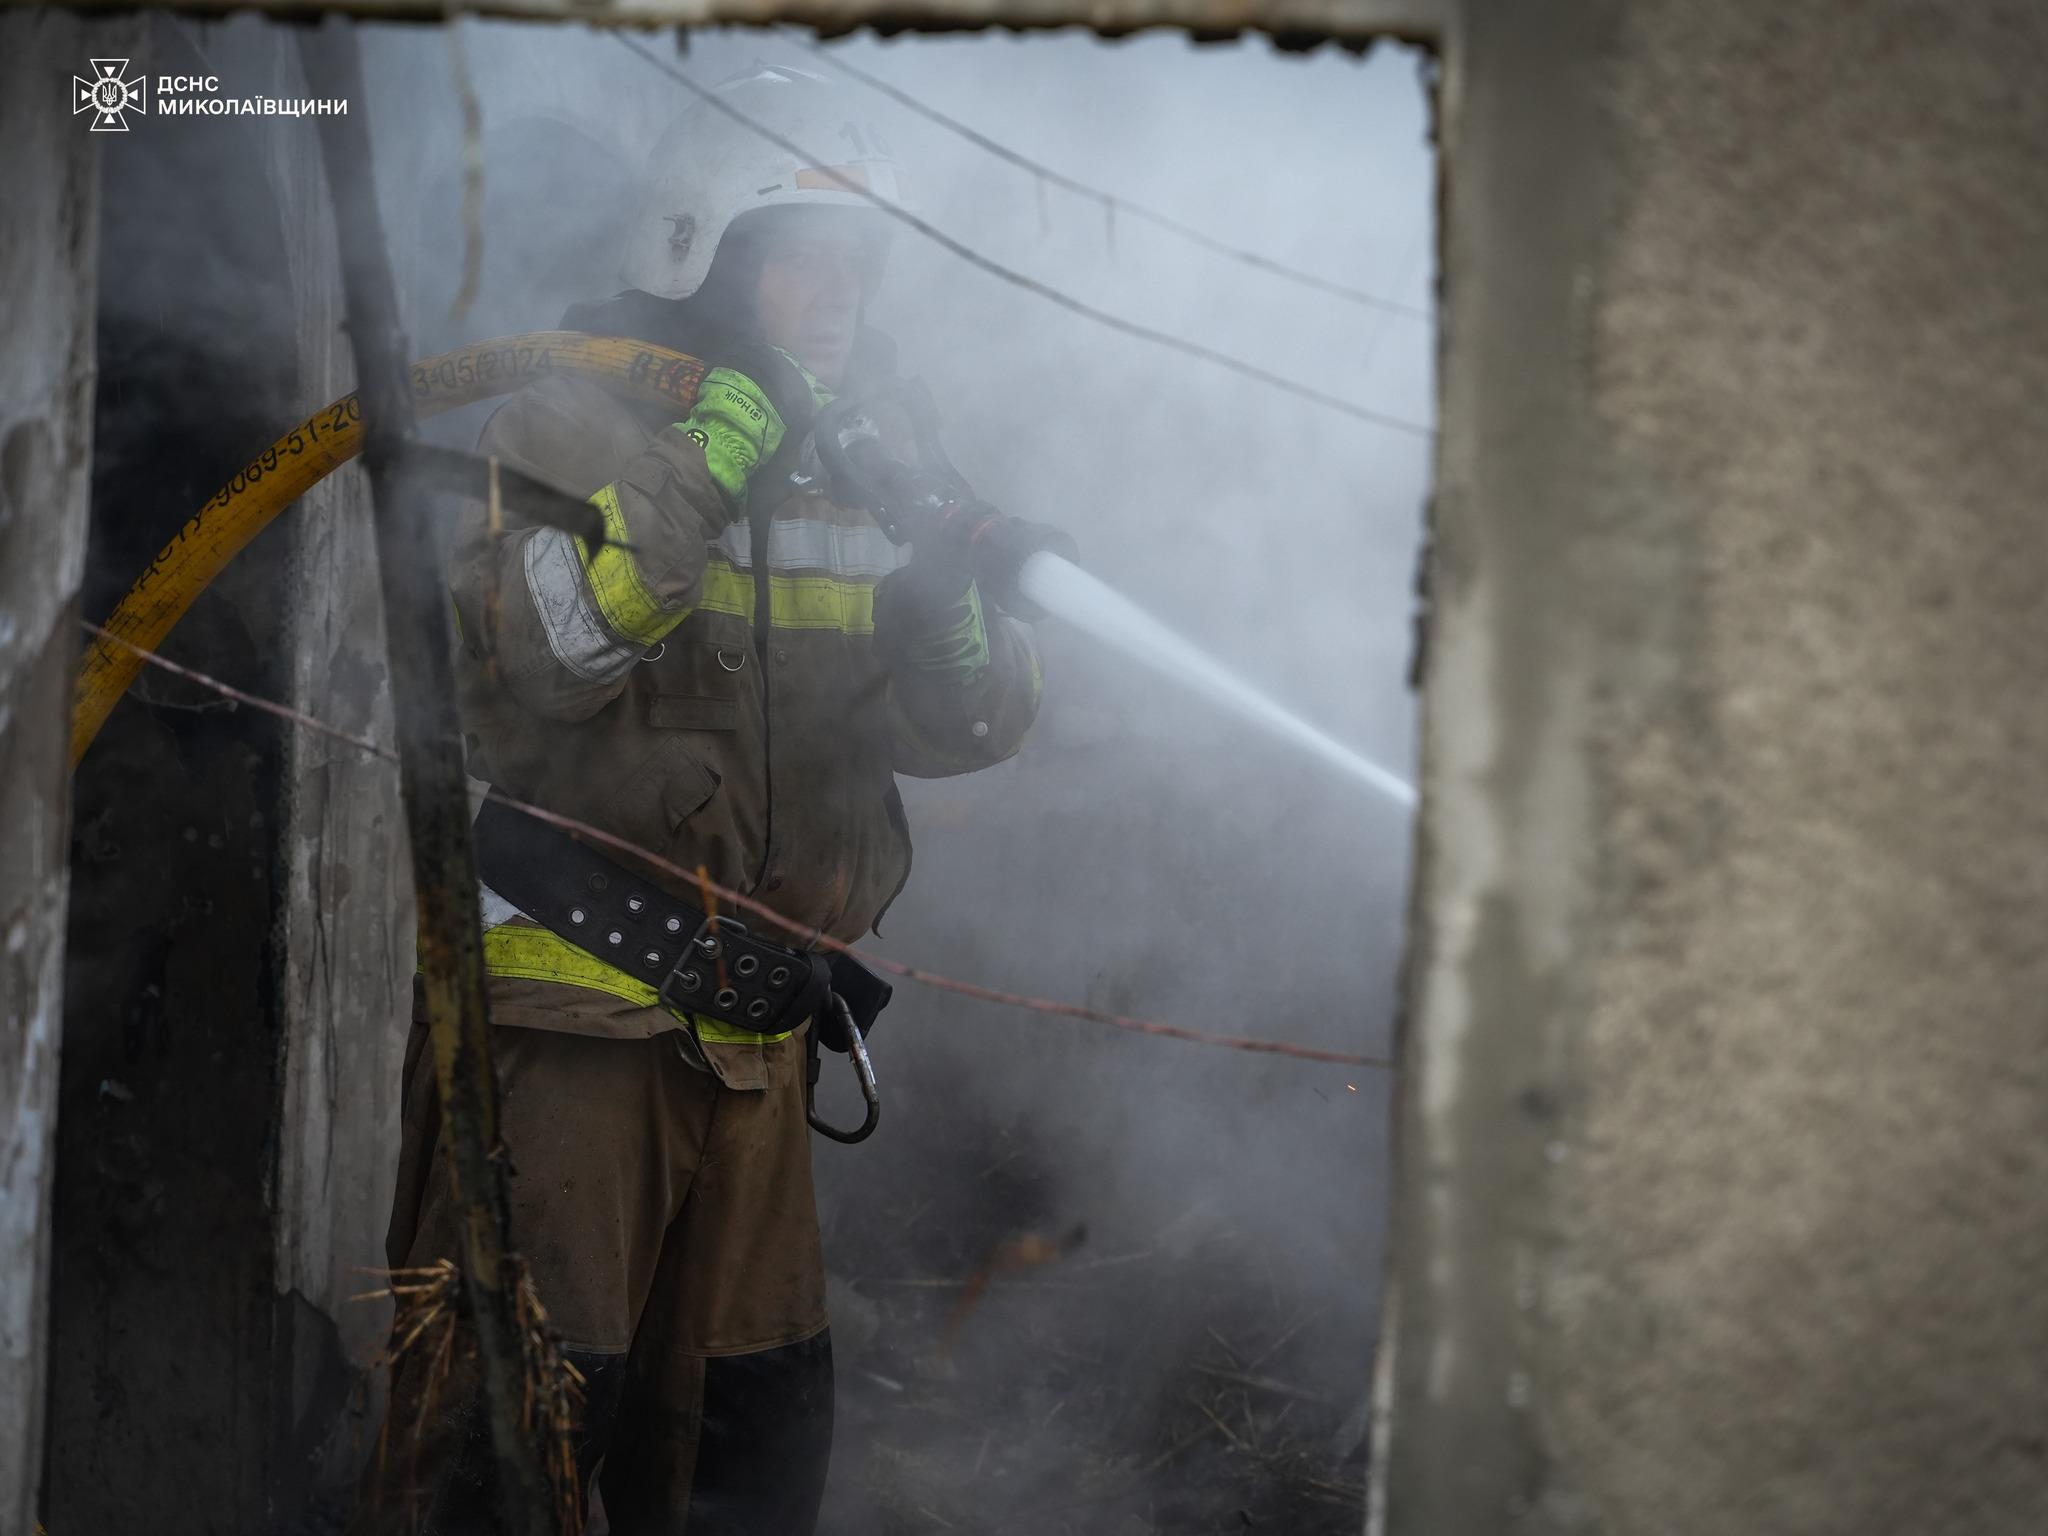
(663, 1194)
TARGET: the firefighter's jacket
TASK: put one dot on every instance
(627, 690)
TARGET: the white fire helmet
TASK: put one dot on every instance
(709, 170)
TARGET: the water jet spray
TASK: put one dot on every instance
(1063, 589)
(1030, 568)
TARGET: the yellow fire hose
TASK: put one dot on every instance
(313, 450)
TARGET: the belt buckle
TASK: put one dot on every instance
(695, 973)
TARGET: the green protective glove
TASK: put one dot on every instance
(954, 644)
(740, 423)
(936, 627)
(737, 427)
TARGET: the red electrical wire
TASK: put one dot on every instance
(747, 903)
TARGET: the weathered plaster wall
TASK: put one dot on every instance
(48, 231)
(238, 949)
(1724, 1192)
(164, 1398)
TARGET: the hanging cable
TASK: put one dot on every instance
(1110, 201)
(760, 909)
(1018, 279)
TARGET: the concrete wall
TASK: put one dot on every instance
(47, 241)
(1724, 1193)
(167, 1339)
(240, 938)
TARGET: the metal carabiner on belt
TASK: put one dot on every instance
(863, 1069)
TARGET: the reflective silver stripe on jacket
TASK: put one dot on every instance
(495, 909)
(811, 544)
(576, 631)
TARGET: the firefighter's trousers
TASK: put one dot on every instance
(670, 1228)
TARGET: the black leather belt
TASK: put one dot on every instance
(697, 965)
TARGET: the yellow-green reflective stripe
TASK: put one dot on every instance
(633, 611)
(796, 602)
(534, 954)
(626, 601)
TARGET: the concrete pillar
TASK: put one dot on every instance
(48, 249)
(1721, 1163)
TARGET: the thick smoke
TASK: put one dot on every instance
(1144, 853)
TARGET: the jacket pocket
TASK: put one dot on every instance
(687, 786)
(704, 679)
(689, 779)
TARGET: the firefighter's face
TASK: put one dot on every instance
(813, 277)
